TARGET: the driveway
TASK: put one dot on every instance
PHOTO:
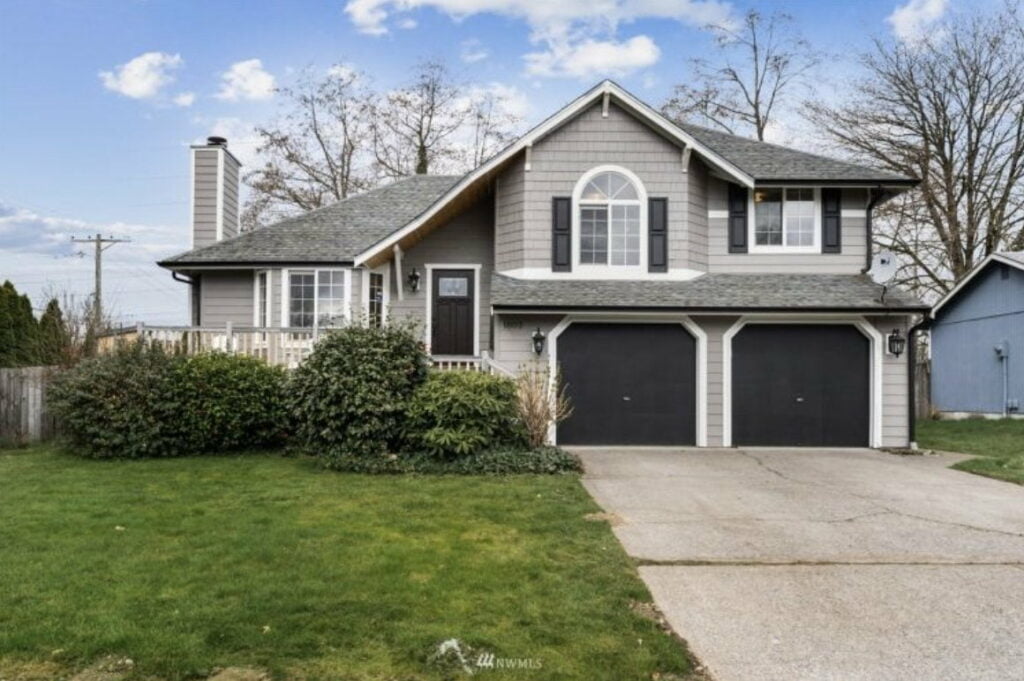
(840, 565)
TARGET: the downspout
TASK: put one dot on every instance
(912, 379)
(877, 196)
(193, 302)
(1002, 351)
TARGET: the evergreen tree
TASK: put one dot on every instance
(19, 330)
(54, 337)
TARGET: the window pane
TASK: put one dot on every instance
(453, 287)
(592, 192)
(261, 299)
(376, 302)
(300, 300)
(330, 290)
(800, 217)
(768, 217)
(625, 235)
(593, 235)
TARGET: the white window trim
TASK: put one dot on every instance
(428, 329)
(877, 355)
(384, 269)
(286, 295)
(699, 335)
(607, 271)
(752, 223)
(268, 306)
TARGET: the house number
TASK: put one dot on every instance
(512, 323)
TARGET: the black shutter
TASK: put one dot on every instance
(831, 221)
(737, 219)
(561, 234)
(657, 235)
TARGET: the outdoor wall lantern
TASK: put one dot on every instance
(897, 343)
(538, 340)
(414, 280)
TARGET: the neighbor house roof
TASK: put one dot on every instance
(767, 162)
(1011, 258)
(707, 292)
(333, 234)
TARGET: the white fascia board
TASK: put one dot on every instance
(553, 122)
(973, 273)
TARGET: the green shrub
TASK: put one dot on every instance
(141, 402)
(542, 461)
(350, 395)
(232, 402)
(458, 413)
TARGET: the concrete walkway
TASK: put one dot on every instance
(842, 565)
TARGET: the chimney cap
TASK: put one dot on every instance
(216, 141)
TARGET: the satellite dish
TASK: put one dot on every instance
(883, 267)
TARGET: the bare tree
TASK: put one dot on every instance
(948, 109)
(319, 153)
(761, 59)
(491, 123)
(414, 127)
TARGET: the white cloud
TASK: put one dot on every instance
(343, 71)
(508, 99)
(407, 24)
(911, 22)
(583, 30)
(473, 51)
(593, 58)
(144, 76)
(246, 80)
(185, 99)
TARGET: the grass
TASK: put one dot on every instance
(999, 445)
(268, 561)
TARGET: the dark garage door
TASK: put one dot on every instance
(801, 385)
(630, 384)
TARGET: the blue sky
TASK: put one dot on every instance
(99, 100)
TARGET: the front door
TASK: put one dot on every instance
(453, 313)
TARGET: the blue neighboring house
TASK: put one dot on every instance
(978, 341)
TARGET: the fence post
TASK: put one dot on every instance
(229, 343)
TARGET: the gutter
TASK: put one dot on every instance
(877, 196)
(912, 378)
(561, 309)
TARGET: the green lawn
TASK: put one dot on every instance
(268, 561)
(999, 445)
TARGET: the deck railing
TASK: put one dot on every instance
(285, 346)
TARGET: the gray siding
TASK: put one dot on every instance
(696, 217)
(513, 346)
(468, 239)
(967, 375)
(895, 394)
(560, 159)
(204, 196)
(715, 327)
(850, 261)
(226, 296)
(230, 208)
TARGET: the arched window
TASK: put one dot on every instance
(609, 205)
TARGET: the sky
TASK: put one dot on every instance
(100, 99)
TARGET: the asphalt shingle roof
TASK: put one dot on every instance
(710, 291)
(336, 233)
(770, 162)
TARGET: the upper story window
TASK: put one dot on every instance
(609, 205)
(786, 220)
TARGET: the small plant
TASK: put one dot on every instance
(541, 401)
(351, 394)
(457, 413)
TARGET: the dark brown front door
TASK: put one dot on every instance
(452, 318)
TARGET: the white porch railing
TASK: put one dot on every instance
(286, 347)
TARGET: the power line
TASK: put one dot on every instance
(101, 243)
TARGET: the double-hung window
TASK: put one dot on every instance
(609, 221)
(318, 298)
(786, 219)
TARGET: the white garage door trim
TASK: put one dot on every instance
(865, 327)
(702, 352)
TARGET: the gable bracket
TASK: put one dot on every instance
(685, 160)
(529, 156)
(604, 104)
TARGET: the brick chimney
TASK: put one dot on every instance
(215, 173)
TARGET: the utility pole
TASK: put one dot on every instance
(101, 243)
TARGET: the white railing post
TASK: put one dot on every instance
(140, 331)
(229, 339)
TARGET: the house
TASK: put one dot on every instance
(977, 341)
(691, 287)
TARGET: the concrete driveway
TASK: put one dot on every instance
(841, 565)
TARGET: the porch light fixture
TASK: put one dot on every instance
(897, 343)
(414, 280)
(538, 338)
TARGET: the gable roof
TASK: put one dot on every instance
(767, 162)
(712, 291)
(335, 233)
(1011, 258)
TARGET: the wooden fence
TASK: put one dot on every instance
(923, 390)
(24, 416)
